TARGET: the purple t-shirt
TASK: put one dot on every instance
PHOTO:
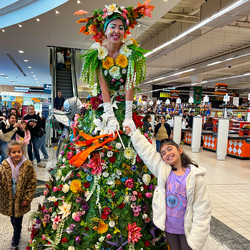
(176, 199)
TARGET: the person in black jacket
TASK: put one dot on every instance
(33, 123)
(146, 123)
(8, 131)
(162, 131)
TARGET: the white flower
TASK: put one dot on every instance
(63, 179)
(119, 172)
(86, 194)
(111, 182)
(64, 159)
(109, 154)
(112, 223)
(58, 174)
(65, 209)
(102, 52)
(106, 72)
(115, 72)
(95, 46)
(105, 174)
(129, 153)
(112, 8)
(52, 199)
(124, 71)
(142, 189)
(127, 198)
(129, 42)
(102, 238)
(121, 87)
(144, 216)
(125, 50)
(71, 248)
(94, 90)
(118, 145)
(65, 188)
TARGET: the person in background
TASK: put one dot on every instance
(190, 120)
(2, 117)
(17, 106)
(42, 140)
(13, 111)
(26, 139)
(34, 123)
(209, 124)
(59, 101)
(8, 131)
(184, 215)
(146, 123)
(162, 131)
(18, 185)
(60, 59)
(67, 64)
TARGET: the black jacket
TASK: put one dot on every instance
(33, 118)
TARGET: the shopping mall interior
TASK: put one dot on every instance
(198, 61)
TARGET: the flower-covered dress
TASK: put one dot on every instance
(99, 195)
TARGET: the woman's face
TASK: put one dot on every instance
(32, 110)
(12, 119)
(115, 31)
(162, 120)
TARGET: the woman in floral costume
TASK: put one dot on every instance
(100, 192)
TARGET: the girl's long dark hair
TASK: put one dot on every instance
(145, 118)
(185, 159)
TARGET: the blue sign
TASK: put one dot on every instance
(47, 88)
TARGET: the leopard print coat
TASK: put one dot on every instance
(25, 189)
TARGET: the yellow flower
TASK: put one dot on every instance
(108, 62)
(102, 227)
(76, 186)
(121, 61)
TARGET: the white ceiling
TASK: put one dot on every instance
(208, 45)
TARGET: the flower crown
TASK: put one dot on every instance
(96, 24)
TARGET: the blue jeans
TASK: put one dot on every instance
(42, 146)
(35, 142)
(158, 145)
(4, 153)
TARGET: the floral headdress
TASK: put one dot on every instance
(96, 24)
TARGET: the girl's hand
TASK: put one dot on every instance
(24, 203)
(127, 130)
(16, 125)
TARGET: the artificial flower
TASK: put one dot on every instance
(129, 183)
(65, 209)
(64, 240)
(78, 239)
(109, 154)
(108, 236)
(56, 220)
(107, 63)
(55, 189)
(102, 52)
(89, 178)
(115, 72)
(124, 50)
(105, 174)
(96, 164)
(70, 155)
(95, 46)
(95, 102)
(121, 61)
(71, 248)
(121, 206)
(147, 243)
(133, 233)
(102, 227)
(124, 71)
(110, 9)
(137, 120)
(129, 153)
(76, 186)
(111, 223)
(86, 184)
(112, 159)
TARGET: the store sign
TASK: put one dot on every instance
(174, 94)
(47, 88)
(164, 95)
(34, 89)
(197, 94)
(220, 89)
(21, 89)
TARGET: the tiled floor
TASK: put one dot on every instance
(229, 185)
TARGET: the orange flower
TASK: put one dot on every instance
(117, 182)
(82, 20)
(92, 29)
(102, 227)
(83, 28)
(121, 61)
(134, 41)
(80, 12)
(76, 186)
(108, 62)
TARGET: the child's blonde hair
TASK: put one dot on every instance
(14, 143)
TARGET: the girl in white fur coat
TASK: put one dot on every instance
(181, 204)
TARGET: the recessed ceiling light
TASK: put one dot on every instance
(29, 67)
(35, 79)
(34, 75)
(2, 74)
(26, 60)
(78, 1)
(38, 84)
(38, 20)
(56, 11)
(21, 51)
(3, 30)
(20, 25)
(31, 72)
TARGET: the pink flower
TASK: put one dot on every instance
(133, 198)
(69, 155)
(133, 233)
(50, 210)
(147, 220)
(43, 237)
(108, 236)
(56, 220)
(55, 189)
(135, 193)
(146, 135)
(129, 183)
(54, 226)
(45, 192)
(148, 195)
(77, 218)
(136, 214)
(125, 11)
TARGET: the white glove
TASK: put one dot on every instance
(128, 121)
(112, 123)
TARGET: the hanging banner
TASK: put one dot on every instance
(174, 94)
(164, 95)
(220, 89)
(197, 94)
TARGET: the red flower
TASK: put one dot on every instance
(112, 159)
(110, 146)
(28, 247)
(147, 243)
(145, 187)
(106, 210)
(95, 102)
(122, 205)
(137, 120)
(86, 184)
(104, 216)
(56, 204)
(129, 183)
(119, 99)
(64, 240)
(139, 195)
(86, 228)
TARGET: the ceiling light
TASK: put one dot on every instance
(56, 11)
(31, 72)
(26, 60)
(35, 79)
(210, 64)
(185, 71)
(199, 25)
(38, 20)
(78, 1)
(29, 67)
(34, 75)
(21, 51)
(20, 25)
(3, 30)
(2, 74)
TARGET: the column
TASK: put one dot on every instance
(177, 129)
(196, 134)
(222, 139)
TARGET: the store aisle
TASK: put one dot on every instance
(229, 185)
